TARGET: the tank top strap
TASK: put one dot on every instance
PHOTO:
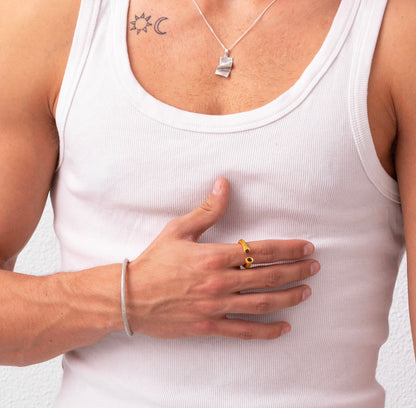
(369, 20)
(81, 43)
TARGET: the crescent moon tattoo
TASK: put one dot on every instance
(157, 23)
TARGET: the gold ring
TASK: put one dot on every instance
(249, 260)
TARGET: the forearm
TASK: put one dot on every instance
(43, 317)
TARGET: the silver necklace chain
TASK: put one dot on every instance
(242, 35)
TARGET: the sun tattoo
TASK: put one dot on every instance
(140, 23)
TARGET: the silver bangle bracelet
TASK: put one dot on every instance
(127, 329)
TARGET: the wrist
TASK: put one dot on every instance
(94, 297)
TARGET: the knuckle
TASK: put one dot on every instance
(211, 262)
(304, 270)
(247, 334)
(272, 333)
(204, 328)
(207, 308)
(234, 282)
(206, 206)
(266, 253)
(292, 297)
(172, 226)
(298, 296)
(274, 279)
(301, 271)
(215, 286)
(263, 306)
(296, 251)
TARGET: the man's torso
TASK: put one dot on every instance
(175, 61)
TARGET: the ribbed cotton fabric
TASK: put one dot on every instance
(303, 166)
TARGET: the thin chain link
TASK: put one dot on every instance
(245, 32)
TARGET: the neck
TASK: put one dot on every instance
(246, 7)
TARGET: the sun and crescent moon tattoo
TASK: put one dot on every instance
(142, 23)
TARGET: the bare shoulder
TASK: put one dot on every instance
(400, 16)
(400, 50)
(400, 40)
(399, 43)
(38, 23)
(35, 39)
(392, 83)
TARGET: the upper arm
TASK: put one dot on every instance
(30, 70)
(402, 74)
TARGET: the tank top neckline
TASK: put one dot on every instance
(235, 122)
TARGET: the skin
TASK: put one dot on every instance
(46, 316)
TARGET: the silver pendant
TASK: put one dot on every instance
(226, 63)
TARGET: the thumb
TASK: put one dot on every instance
(195, 223)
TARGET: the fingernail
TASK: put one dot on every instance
(217, 187)
(308, 249)
(286, 330)
(315, 268)
(306, 293)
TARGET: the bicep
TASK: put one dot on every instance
(26, 170)
(28, 142)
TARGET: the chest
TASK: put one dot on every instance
(174, 55)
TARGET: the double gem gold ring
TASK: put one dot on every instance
(249, 260)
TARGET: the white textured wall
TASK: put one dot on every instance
(36, 386)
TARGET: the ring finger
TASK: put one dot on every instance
(267, 251)
(271, 276)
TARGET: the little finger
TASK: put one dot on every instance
(266, 302)
(245, 330)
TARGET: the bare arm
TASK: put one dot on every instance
(402, 68)
(176, 287)
(31, 307)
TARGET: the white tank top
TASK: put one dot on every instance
(303, 166)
